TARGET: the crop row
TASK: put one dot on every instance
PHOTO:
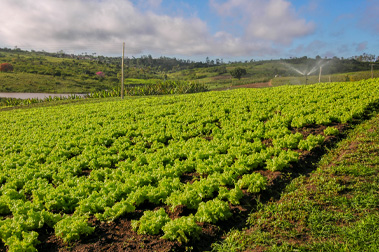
(60, 166)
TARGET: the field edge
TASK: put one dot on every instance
(334, 208)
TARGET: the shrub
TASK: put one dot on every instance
(238, 72)
(6, 67)
(100, 75)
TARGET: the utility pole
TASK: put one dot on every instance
(122, 70)
(372, 71)
(319, 76)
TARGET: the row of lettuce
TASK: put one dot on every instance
(63, 165)
(158, 88)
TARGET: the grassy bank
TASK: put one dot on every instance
(335, 208)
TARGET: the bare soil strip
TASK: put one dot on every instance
(252, 85)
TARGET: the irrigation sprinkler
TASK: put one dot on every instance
(305, 72)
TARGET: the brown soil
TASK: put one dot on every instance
(112, 236)
(252, 85)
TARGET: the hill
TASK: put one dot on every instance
(68, 73)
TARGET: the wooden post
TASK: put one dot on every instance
(319, 76)
(122, 70)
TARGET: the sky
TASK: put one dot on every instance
(194, 29)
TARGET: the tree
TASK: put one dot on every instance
(6, 67)
(207, 61)
(238, 72)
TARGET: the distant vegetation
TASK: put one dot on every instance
(238, 72)
(68, 73)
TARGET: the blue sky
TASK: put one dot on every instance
(194, 29)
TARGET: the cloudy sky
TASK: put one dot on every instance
(194, 29)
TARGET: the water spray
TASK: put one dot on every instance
(305, 73)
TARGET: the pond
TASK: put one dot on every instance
(33, 95)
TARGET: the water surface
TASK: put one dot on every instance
(33, 95)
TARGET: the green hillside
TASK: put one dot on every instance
(66, 73)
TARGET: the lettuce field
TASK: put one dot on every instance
(168, 165)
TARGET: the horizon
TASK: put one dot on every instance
(95, 55)
(232, 30)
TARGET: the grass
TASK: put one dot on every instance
(335, 208)
(312, 79)
(136, 82)
(28, 82)
(37, 73)
(216, 77)
(24, 82)
(258, 72)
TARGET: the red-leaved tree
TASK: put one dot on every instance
(6, 67)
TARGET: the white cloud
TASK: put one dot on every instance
(274, 20)
(65, 23)
(152, 3)
(102, 26)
